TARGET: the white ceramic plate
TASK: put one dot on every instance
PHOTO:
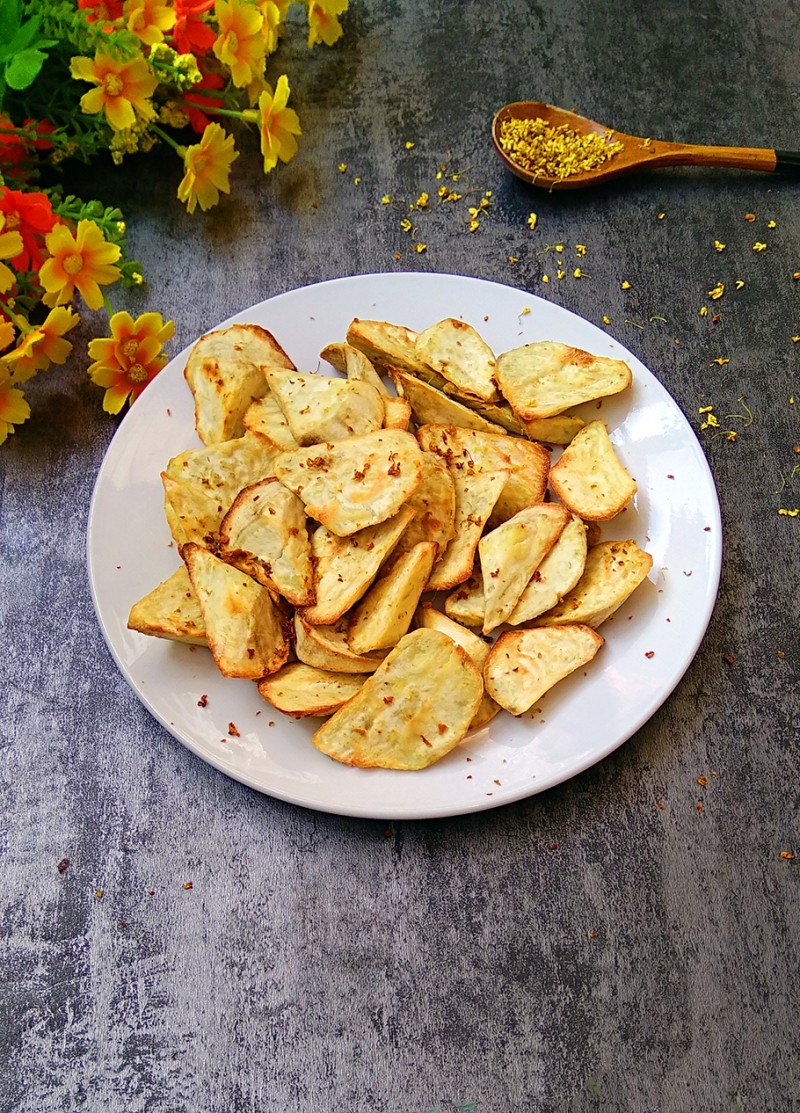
(649, 642)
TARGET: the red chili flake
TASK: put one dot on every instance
(786, 855)
(188, 885)
(442, 728)
(553, 846)
(271, 723)
(670, 477)
(469, 759)
(699, 806)
(203, 701)
(594, 934)
(706, 529)
(729, 659)
(660, 805)
(702, 781)
(63, 865)
(388, 699)
(388, 833)
(169, 412)
(650, 653)
(496, 781)
(223, 741)
(425, 740)
(233, 730)
(122, 925)
(469, 776)
(151, 892)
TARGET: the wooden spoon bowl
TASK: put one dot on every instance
(637, 153)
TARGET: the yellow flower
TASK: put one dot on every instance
(130, 358)
(273, 22)
(149, 20)
(279, 125)
(122, 89)
(208, 165)
(323, 22)
(13, 407)
(10, 247)
(43, 345)
(83, 262)
(6, 334)
(240, 45)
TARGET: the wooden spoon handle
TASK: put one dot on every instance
(743, 158)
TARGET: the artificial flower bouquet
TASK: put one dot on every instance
(79, 78)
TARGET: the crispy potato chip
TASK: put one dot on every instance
(243, 625)
(460, 354)
(429, 618)
(356, 483)
(226, 371)
(524, 664)
(321, 409)
(546, 378)
(412, 711)
(346, 566)
(434, 506)
(472, 450)
(555, 576)
(559, 429)
(264, 418)
(511, 554)
(384, 614)
(390, 347)
(264, 534)
(201, 483)
(300, 690)
(325, 647)
(589, 478)
(466, 605)
(430, 406)
(170, 611)
(353, 363)
(476, 495)
(613, 571)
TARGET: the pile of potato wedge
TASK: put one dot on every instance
(389, 547)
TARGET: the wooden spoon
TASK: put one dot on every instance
(637, 153)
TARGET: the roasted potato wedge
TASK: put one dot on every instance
(545, 378)
(300, 690)
(524, 664)
(384, 614)
(264, 418)
(325, 647)
(244, 627)
(476, 495)
(226, 370)
(170, 611)
(434, 506)
(356, 483)
(466, 605)
(460, 355)
(427, 617)
(590, 478)
(613, 571)
(413, 710)
(557, 574)
(431, 406)
(319, 409)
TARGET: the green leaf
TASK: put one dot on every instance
(23, 69)
(9, 19)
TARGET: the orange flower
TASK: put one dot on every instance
(149, 20)
(122, 89)
(83, 262)
(208, 166)
(279, 124)
(10, 247)
(43, 345)
(323, 24)
(130, 358)
(13, 407)
(240, 44)
(6, 334)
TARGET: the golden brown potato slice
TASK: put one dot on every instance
(301, 690)
(412, 711)
(589, 478)
(264, 418)
(466, 604)
(201, 483)
(429, 618)
(476, 495)
(460, 354)
(318, 408)
(546, 378)
(473, 450)
(384, 614)
(353, 363)
(511, 554)
(170, 611)
(244, 627)
(524, 664)
(613, 571)
(264, 534)
(344, 567)
(225, 371)
(559, 429)
(325, 647)
(431, 406)
(555, 576)
(385, 345)
(355, 483)
(434, 506)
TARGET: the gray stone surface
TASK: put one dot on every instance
(603, 946)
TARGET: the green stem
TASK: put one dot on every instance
(168, 139)
(22, 324)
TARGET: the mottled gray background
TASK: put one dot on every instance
(604, 946)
